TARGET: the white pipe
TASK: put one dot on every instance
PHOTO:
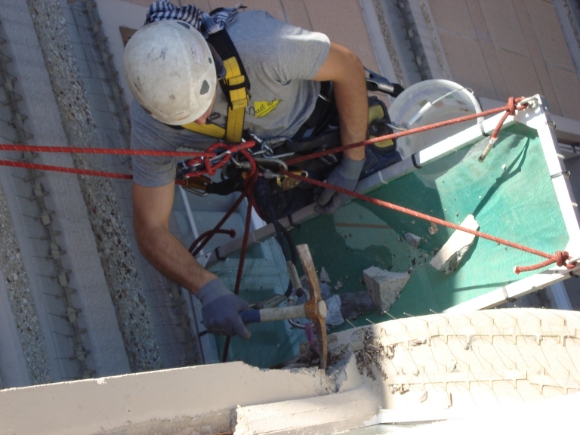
(189, 214)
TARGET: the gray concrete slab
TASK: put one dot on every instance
(19, 306)
(103, 337)
(168, 332)
(115, 14)
(13, 367)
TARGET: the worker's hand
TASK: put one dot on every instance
(221, 308)
(345, 175)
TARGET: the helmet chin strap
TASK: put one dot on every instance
(220, 69)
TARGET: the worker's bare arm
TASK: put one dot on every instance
(152, 208)
(346, 71)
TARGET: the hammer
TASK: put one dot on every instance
(314, 309)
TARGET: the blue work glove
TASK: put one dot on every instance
(345, 175)
(221, 308)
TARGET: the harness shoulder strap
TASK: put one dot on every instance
(212, 130)
(235, 86)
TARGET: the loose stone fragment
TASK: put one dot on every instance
(324, 277)
(433, 229)
(412, 239)
(384, 286)
(333, 314)
(325, 291)
(449, 257)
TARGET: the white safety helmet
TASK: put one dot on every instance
(170, 71)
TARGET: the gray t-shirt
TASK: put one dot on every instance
(280, 61)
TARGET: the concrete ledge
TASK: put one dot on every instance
(329, 414)
(101, 405)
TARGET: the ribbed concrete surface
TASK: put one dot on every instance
(68, 216)
(105, 97)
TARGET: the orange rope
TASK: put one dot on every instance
(559, 258)
(202, 158)
(509, 108)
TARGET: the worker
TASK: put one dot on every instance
(174, 74)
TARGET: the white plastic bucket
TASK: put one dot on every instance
(428, 102)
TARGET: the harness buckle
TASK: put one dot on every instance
(197, 185)
(287, 183)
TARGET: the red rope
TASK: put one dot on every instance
(110, 151)
(64, 169)
(198, 157)
(203, 157)
(560, 257)
(194, 251)
(205, 237)
(507, 108)
(250, 182)
(510, 111)
(248, 191)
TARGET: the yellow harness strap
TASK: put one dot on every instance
(239, 98)
(235, 84)
(377, 112)
(206, 129)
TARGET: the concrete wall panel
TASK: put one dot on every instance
(345, 26)
(13, 366)
(454, 15)
(524, 49)
(296, 13)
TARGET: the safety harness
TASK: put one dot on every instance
(235, 86)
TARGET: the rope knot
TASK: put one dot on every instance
(561, 259)
(511, 106)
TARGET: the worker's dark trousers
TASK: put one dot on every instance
(377, 159)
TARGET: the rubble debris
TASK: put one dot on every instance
(333, 314)
(355, 304)
(325, 291)
(384, 286)
(433, 229)
(324, 276)
(337, 357)
(412, 239)
(372, 354)
(449, 257)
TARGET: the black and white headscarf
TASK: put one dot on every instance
(205, 23)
